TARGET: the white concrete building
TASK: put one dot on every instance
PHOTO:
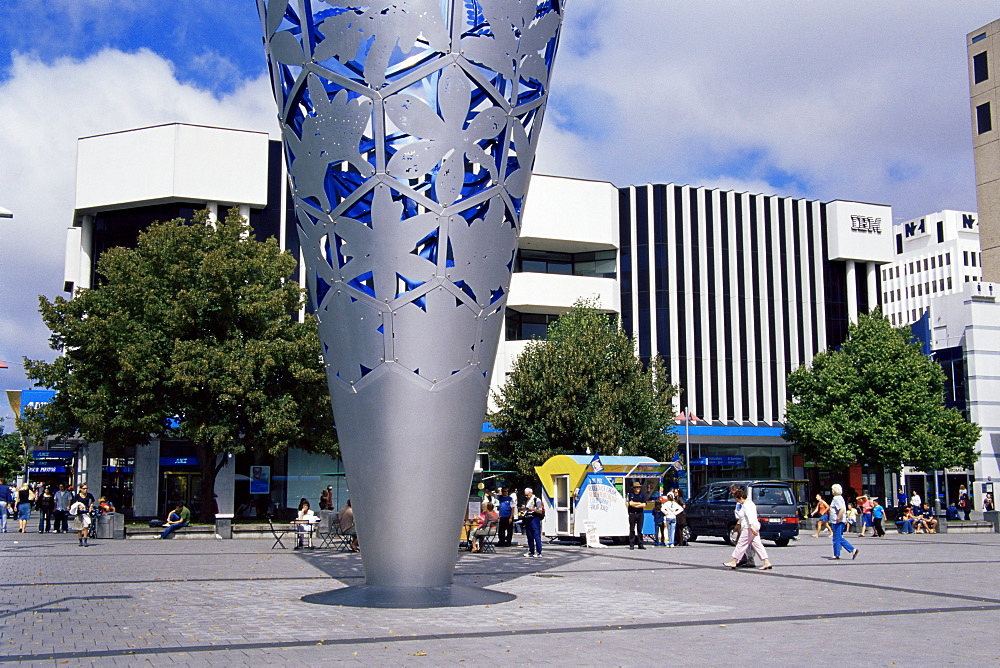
(936, 254)
(965, 331)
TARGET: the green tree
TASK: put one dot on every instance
(12, 457)
(190, 334)
(877, 401)
(583, 387)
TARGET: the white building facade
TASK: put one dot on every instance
(936, 254)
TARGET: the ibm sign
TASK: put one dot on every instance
(866, 224)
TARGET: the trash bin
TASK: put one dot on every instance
(224, 525)
(106, 526)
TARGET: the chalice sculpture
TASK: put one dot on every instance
(409, 129)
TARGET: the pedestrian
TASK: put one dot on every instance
(746, 515)
(5, 501)
(659, 526)
(532, 513)
(505, 511)
(822, 515)
(79, 510)
(45, 504)
(915, 500)
(987, 503)
(326, 498)
(636, 515)
(901, 499)
(177, 519)
(865, 503)
(964, 502)
(25, 498)
(63, 498)
(671, 509)
(838, 521)
(878, 514)
(679, 539)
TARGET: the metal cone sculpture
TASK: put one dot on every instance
(410, 128)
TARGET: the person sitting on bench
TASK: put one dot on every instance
(176, 520)
(905, 522)
(927, 523)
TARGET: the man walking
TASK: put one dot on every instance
(5, 498)
(63, 498)
(636, 506)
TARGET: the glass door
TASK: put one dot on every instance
(562, 504)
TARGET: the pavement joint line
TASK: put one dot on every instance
(847, 583)
(44, 607)
(594, 628)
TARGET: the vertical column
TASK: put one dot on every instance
(852, 292)
(147, 479)
(86, 252)
(213, 211)
(871, 273)
(225, 485)
(92, 467)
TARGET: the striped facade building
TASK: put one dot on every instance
(736, 290)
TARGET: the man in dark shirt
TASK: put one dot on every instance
(927, 520)
(505, 531)
(636, 505)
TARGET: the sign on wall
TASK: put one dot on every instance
(859, 231)
(260, 479)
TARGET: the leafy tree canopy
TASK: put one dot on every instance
(194, 323)
(583, 388)
(12, 457)
(877, 401)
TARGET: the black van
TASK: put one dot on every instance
(712, 511)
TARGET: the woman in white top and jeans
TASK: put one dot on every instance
(670, 511)
(746, 513)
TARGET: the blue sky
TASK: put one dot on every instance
(213, 44)
(851, 99)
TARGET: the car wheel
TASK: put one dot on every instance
(781, 542)
(686, 535)
(732, 535)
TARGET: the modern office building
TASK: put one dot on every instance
(984, 57)
(936, 254)
(735, 291)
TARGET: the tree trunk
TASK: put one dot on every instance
(206, 460)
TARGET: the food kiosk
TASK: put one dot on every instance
(585, 493)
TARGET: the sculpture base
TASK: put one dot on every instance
(367, 596)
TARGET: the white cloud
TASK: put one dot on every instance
(854, 100)
(44, 108)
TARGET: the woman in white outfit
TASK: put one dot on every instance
(746, 513)
(670, 511)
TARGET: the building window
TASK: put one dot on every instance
(526, 326)
(926, 264)
(899, 244)
(933, 263)
(600, 263)
(965, 258)
(980, 68)
(947, 259)
(940, 231)
(984, 123)
(973, 256)
(898, 295)
(979, 38)
(941, 285)
(949, 282)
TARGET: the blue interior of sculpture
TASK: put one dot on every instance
(410, 135)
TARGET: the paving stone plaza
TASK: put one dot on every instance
(906, 600)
